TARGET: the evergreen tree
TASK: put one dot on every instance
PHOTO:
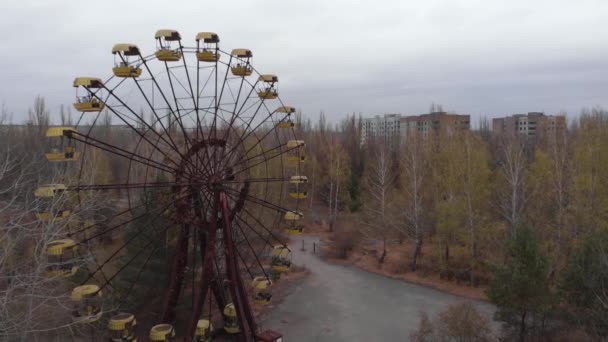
(584, 285)
(520, 287)
(145, 260)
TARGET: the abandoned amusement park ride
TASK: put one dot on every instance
(217, 162)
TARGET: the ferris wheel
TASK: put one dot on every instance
(209, 181)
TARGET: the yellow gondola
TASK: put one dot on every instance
(162, 332)
(60, 257)
(298, 186)
(208, 52)
(261, 290)
(61, 151)
(47, 212)
(269, 90)
(242, 67)
(122, 328)
(164, 52)
(51, 216)
(87, 307)
(50, 190)
(122, 66)
(295, 153)
(203, 330)
(88, 102)
(294, 228)
(293, 216)
(285, 109)
(281, 258)
(231, 323)
(286, 124)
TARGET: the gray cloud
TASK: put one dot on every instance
(479, 57)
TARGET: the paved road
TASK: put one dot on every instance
(343, 303)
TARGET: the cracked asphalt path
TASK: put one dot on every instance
(344, 303)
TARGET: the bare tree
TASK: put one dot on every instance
(380, 183)
(413, 167)
(511, 191)
(38, 115)
(66, 116)
(34, 306)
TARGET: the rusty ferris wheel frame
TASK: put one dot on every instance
(221, 146)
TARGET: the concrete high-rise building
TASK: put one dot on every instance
(532, 125)
(436, 122)
(386, 127)
(395, 127)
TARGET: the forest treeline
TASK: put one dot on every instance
(528, 219)
(525, 217)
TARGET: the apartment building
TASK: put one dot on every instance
(386, 126)
(532, 124)
(395, 127)
(435, 122)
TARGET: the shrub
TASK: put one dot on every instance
(460, 322)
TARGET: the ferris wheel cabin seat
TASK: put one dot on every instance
(207, 52)
(162, 332)
(87, 300)
(61, 255)
(89, 102)
(122, 327)
(61, 145)
(123, 67)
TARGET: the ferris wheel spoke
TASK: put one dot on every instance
(194, 102)
(94, 225)
(260, 235)
(258, 222)
(238, 253)
(236, 112)
(263, 154)
(132, 259)
(207, 250)
(252, 249)
(158, 118)
(258, 180)
(177, 117)
(262, 202)
(140, 119)
(261, 102)
(176, 278)
(88, 140)
(246, 133)
(127, 293)
(121, 186)
(137, 131)
(236, 286)
(263, 161)
(115, 253)
(141, 230)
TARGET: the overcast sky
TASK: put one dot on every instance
(481, 57)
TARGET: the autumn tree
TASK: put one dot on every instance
(338, 176)
(379, 184)
(413, 175)
(590, 161)
(510, 187)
